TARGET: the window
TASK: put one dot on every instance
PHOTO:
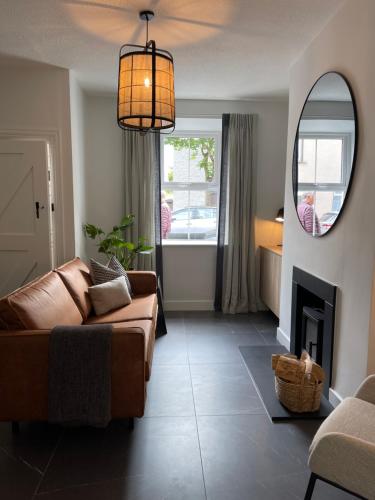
(323, 175)
(190, 186)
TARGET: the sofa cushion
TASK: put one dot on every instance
(42, 304)
(109, 296)
(116, 265)
(149, 328)
(76, 277)
(101, 273)
(8, 318)
(142, 307)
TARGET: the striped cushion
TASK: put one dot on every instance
(115, 265)
(102, 274)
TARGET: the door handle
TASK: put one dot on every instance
(37, 208)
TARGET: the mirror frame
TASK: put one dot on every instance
(295, 154)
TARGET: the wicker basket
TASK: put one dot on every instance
(300, 398)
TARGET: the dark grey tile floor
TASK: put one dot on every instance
(205, 433)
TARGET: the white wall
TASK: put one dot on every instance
(104, 173)
(34, 102)
(78, 126)
(189, 276)
(345, 256)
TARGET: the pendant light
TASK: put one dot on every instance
(145, 100)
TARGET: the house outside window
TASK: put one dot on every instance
(190, 185)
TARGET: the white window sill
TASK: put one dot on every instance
(188, 243)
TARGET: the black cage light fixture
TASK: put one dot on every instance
(145, 100)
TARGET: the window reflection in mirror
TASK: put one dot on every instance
(325, 146)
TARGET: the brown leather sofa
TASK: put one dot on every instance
(60, 298)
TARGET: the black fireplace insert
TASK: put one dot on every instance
(313, 320)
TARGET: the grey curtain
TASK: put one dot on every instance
(141, 155)
(222, 213)
(236, 262)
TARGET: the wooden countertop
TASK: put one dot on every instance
(276, 249)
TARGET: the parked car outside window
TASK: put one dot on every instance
(327, 220)
(194, 223)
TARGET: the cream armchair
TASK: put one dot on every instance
(343, 450)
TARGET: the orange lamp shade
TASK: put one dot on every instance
(146, 98)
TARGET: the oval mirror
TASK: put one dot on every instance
(324, 153)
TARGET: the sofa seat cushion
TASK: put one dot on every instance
(41, 305)
(148, 327)
(76, 277)
(142, 307)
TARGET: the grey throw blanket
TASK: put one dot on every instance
(79, 375)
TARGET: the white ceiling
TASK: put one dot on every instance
(223, 49)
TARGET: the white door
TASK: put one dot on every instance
(25, 250)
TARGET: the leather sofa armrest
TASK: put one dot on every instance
(22, 333)
(143, 282)
(128, 372)
(366, 391)
(24, 374)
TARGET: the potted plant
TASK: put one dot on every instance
(113, 243)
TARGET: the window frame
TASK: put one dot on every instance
(347, 138)
(213, 186)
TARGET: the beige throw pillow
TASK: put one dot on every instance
(110, 295)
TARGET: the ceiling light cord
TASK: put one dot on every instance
(146, 15)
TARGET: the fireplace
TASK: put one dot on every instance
(313, 320)
(312, 332)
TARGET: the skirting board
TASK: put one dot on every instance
(334, 397)
(283, 338)
(188, 305)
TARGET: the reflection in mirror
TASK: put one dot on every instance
(324, 153)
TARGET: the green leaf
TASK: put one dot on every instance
(115, 242)
(142, 246)
(129, 246)
(92, 231)
(127, 221)
(145, 249)
(103, 247)
(116, 233)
